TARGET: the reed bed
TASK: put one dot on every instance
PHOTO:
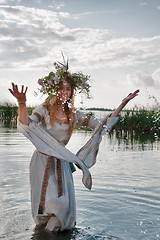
(9, 114)
(139, 121)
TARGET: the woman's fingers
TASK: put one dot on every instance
(134, 94)
(16, 88)
(137, 91)
(26, 90)
(19, 95)
(22, 88)
(13, 86)
(131, 95)
(11, 91)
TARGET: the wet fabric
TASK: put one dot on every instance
(51, 141)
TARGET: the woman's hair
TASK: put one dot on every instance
(51, 104)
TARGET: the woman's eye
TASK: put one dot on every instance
(59, 89)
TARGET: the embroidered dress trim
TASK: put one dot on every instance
(44, 185)
(37, 115)
(61, 121)
(59, 178)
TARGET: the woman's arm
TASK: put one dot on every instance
(21, 98)
(124, 102)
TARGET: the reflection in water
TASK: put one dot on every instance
(76, 234)
(41, 234)
(132, 140)
(133, 137)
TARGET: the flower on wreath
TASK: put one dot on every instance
(50, 83)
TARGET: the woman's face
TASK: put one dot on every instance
(64, 92)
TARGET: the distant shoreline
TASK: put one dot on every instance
(108, 109)
(97, 109)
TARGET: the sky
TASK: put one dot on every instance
(116, 42)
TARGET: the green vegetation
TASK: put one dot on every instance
(141, 125)
(139, 121)
(9, 114)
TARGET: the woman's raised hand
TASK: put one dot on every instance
(124, 102)
(20, 96)
(130, 96)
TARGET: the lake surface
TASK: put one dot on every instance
(124, 202)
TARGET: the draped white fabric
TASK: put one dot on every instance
(89, 151)
(51, 140)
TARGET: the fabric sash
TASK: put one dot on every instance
(85, 158)
(45, 182)
(44, 185)
(59, 177)
(46, 144)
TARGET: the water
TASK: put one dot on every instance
(124, 202)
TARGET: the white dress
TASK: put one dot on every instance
(59, 212)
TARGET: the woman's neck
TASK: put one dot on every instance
(60, 112)
(61, 107)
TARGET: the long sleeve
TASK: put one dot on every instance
(89, 151)
(92, 122)
(86, 120)
(37, 114)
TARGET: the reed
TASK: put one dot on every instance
(141, 121)
(9, 114)
(135, 120)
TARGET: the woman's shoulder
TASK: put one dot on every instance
(40, 110)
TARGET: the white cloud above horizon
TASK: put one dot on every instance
(32, 38)
(146, 79)
(31, 33)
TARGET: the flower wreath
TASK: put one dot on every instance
(49, 84)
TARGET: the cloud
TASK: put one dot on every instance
(77, 16)
(156, 76)
(124, 52)
(3, 1)
(143, 3)
(145, 79)
(57, 4)
(30, 38)
(9, 1)
(28, 34)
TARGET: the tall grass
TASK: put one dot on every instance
(9, 114)
(138, 121)
(141, 125)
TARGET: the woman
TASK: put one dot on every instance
(53, 200)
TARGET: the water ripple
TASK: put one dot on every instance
(123, 204)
